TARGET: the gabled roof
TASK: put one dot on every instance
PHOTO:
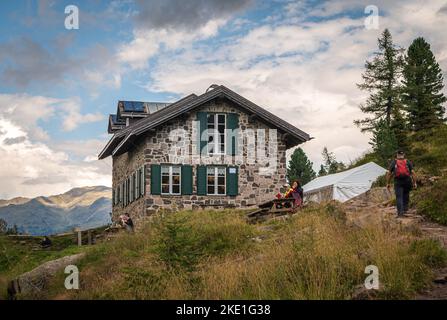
(123, 138)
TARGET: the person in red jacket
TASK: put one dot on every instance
(404, 180)
(296, 192)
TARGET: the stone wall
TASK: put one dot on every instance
(162, 147)
(123, 166)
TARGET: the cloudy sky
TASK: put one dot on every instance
(298, 59)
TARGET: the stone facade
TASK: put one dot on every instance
(163, 147)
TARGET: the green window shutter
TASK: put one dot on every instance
(232, 181)
(201, 180)
(143, 187)
(232, 133)
(155, 179)
(128, 190)
(133, 187)
(186, 179)
(137, 183)
(125, 192)
(202, 119)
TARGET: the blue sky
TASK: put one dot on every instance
(298, 59)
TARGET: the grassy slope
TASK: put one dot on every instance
(213, 255)
(17, 258)
(428, 151)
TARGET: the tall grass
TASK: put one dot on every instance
(217, 255)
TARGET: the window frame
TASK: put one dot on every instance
(215, 134)
(216, 181)
(170, 183)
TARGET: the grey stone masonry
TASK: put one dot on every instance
(260, 177)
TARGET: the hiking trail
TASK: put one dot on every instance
(374, 207)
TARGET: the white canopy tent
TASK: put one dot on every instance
(344, 185)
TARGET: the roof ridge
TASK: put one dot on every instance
(190, 102)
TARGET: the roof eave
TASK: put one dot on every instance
(110, 146)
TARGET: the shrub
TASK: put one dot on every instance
(430, 251)
(431, 201)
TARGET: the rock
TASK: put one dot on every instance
(36, 280)
(440, 280)
(361, 293)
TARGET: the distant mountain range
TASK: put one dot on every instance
(86, 207)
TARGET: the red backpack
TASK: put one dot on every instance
(401, 169)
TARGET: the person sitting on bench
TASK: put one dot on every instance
(296, 192)
(46, 242)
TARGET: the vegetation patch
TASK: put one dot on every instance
(315, 254)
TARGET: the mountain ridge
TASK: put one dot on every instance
(83, 207)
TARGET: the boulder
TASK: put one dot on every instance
(36, 280)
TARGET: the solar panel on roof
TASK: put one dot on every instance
(155, 106)
(133, 106)
(115, 120)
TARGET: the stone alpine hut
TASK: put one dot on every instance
(217, 149)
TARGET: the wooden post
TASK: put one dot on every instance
(89, 237)
(79, 234)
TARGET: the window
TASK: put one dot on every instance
(170, 179)
(216, 133)
(215, 181)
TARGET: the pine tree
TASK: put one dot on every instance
(384, 143)
(328, 158)
(381, 80)
(300, 167)
(331, 165)
(423, 84)
(3, 226)
(322, 171)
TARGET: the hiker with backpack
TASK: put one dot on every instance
(404, 180)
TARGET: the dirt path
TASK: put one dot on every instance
(374, 207)
(438, 290)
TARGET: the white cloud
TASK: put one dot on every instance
(146, 43)
(33, 168)
(73, 117)
(305, 72)
(27, 111)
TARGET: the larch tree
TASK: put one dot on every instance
(381, 80)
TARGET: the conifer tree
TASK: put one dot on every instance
(384, 143)
(300, 167)
(422, 87)
(381, 80)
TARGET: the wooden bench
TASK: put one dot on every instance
(276, 207)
